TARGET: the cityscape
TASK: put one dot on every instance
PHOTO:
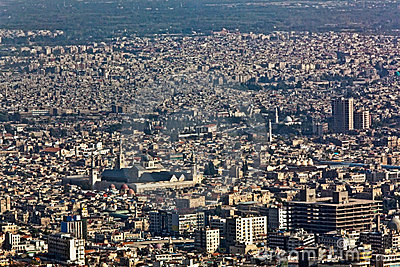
(211, 147)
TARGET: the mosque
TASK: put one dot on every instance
(146, 176)
(286, 121)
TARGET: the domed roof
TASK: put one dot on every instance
(124, 187)
(112, 186)
(288, 119)
(131, 192)
(394, 224)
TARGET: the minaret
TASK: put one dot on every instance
(93, 176)
(120, 160)
(276, 116)
(270, 131)
(136, 211)
(196, 177)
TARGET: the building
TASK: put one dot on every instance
(387, 237)
(66, 249)
(343, 114)
(5, 204)
(290, 240)
(74, 225)
(9, 228)
(320, 128)
(216, 222)
(277, 218)
(391, 259)
(171, 222)
(362, 119)
(300, 238)
(236, 172)
(189, 222)
(360, 256)
(147, 176)
(338, 241)
(190, 202)
(11, 241)
(207, 240)
(248, 230)
(321, 215)
(118, 109)
(379, 241)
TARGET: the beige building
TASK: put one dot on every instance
(190, 202)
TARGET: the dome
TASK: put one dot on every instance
(124, 187)
(288, 119)
(131, 192)
(112, 186)
(394, 224)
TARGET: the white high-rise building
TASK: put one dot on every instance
(249, 230)
(207, 240)
(65, 249)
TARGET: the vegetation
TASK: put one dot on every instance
(99, 19)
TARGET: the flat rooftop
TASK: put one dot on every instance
(328, 201)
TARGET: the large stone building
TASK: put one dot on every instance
(326, 214)
(149, 175)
